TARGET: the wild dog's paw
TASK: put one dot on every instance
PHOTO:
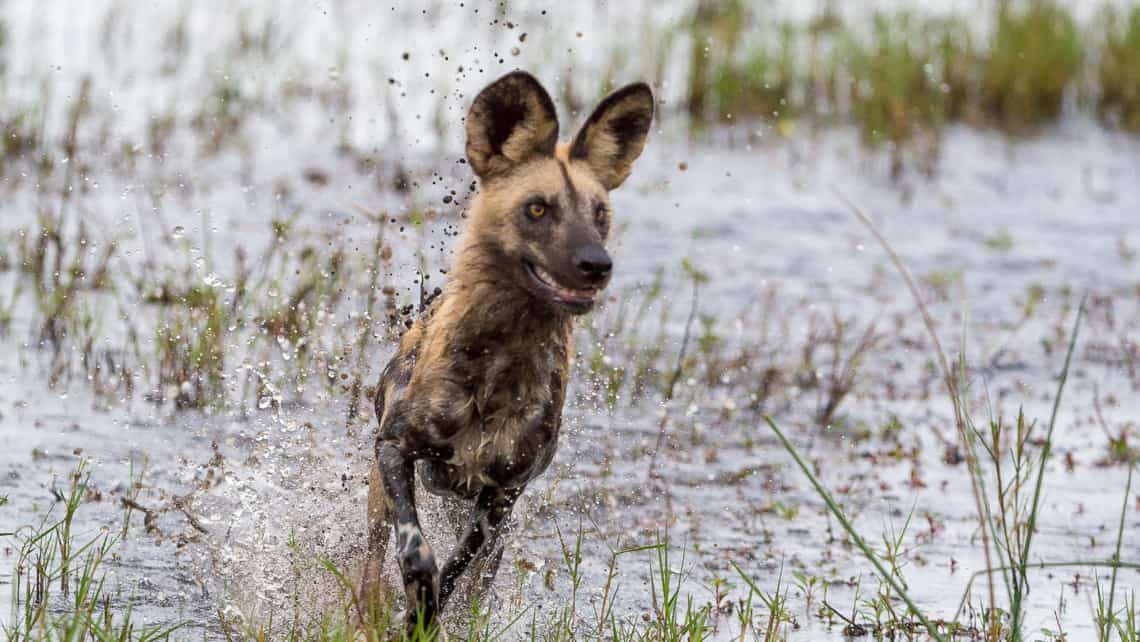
(421, 579)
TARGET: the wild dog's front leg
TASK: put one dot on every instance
(492, 508)
(417, 562)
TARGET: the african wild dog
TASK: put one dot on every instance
(472, 400)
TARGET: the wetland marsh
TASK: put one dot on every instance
(215, 224)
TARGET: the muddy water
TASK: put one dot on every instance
(246, 505)
(275, 492)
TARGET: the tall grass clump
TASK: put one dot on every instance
(732, 74)
(956, 56)
(758, 82)
(1118, 72)
(899, 95)
(1033, 58)
(895, 92)
(901, 76)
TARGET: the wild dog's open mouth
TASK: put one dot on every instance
(560, 293)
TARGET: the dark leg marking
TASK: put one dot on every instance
(417, 562)
(492, 508)
(487, 564)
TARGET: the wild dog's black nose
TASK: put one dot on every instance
(593, 263)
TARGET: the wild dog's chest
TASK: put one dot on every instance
(516, 410)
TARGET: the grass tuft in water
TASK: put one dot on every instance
(82, 608)
(1033, 59)
(1118, 72)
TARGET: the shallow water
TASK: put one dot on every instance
(272, 491)
(722, 483)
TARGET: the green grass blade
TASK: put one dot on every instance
(1045, 450)
(1116, 555)
(853, 534)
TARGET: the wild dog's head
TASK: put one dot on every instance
(543, 213)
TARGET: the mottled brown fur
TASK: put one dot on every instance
(472, 400)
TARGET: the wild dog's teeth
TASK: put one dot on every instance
(561, 291)
(546, 278)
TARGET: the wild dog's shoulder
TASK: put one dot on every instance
(397, 373)
(411, 341)
(425, 383)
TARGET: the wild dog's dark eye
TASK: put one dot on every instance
(600, 211)
(536, 210)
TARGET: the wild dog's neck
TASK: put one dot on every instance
(486, 299)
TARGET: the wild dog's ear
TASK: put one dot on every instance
(512, 120)
(614, 135)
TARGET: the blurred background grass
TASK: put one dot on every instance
(899, 72)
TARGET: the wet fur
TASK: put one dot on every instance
(472, 400)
